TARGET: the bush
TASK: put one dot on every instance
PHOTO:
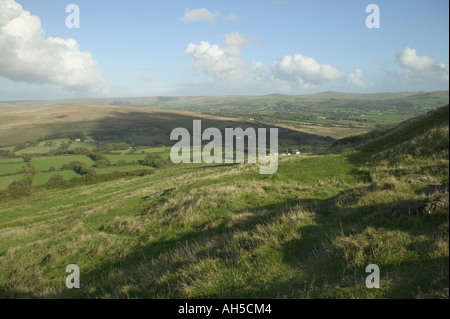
(84, 170)
(154, 160)
(96, 156)
(19, 188)
(20, 146)
(6, 153)
(116, 147)
(77, 135)
(27, 158)
(72, 165)
(56, 181)
(28, 178)
(102, 163)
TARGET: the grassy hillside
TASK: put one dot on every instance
(407, 132)
(225, 231)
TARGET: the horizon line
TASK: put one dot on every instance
(225, 95)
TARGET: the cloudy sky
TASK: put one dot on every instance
(152, 48)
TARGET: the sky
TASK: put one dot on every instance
(141, 48)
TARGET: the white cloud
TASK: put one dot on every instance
(27, 56)
(231, 17)
(202, 14)
(220, 63)
(304, 72)
(233, 42)
(355, 78)
(421, 66)
(290, 73)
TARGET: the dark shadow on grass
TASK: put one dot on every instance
(306, 253)
(218, 237)
(121, 126)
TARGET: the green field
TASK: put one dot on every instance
(42, 178)
(225, 231)
(41, 148)
(11, 160)
(44, 163)
(5, 181)
(12, 168)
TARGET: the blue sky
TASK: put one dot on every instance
(152, 48)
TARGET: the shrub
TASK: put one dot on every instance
(154, 160)
(28, 178)
(77, 135)
(20, 146)
(56, 181)
(84, 170)
(96, 156)
(5, 153)
(19, 188)
(27, 158)
(72, 165)
(116, 147)
(102, 163)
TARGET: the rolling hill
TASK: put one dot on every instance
(138, 126)
(327, 114)
(225, 231)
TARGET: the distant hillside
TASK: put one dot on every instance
(136, 126)
(328, 114)
(203, 101)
